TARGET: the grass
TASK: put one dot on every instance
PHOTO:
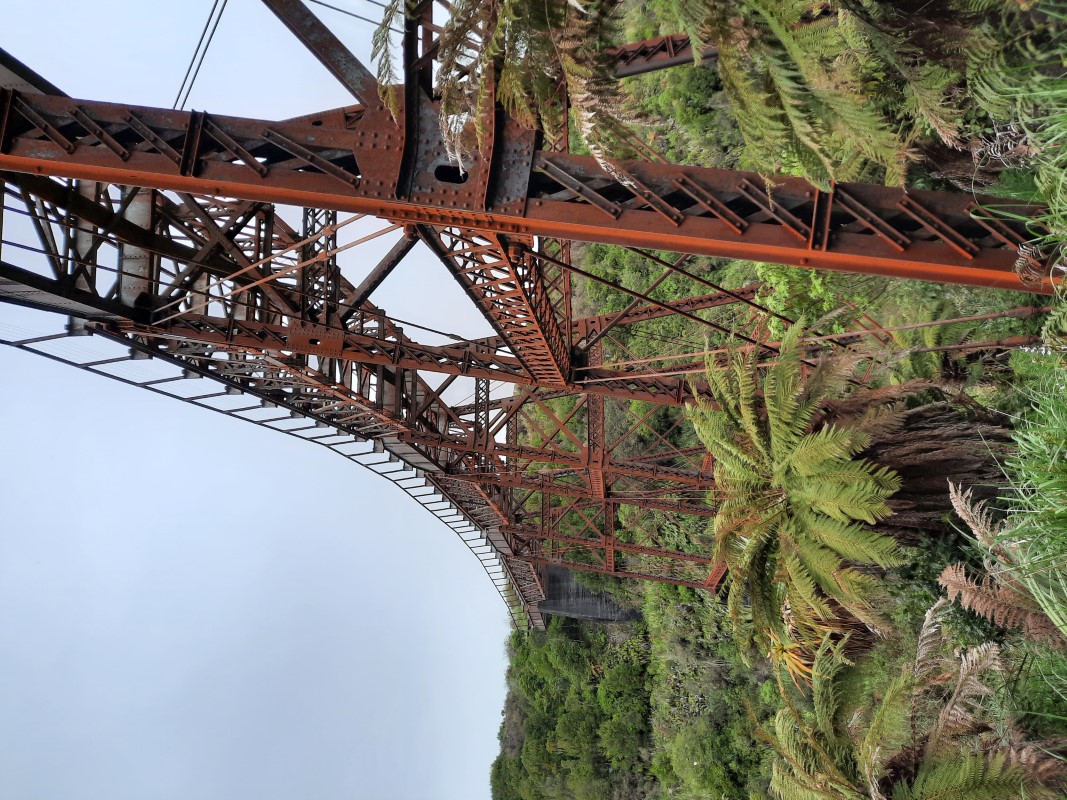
(1036, 533)
(1042, 104)
(1030, 545)
(1021, 79)
(1038, 692)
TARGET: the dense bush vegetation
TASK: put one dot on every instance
(833, 666)
(577, 720)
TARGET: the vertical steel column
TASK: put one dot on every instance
(79, 253)
(138, 265)
(319, 277)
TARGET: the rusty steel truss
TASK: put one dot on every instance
(159, 230)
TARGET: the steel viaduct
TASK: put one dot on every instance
(160, 234)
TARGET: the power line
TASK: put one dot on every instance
(353, 14)
(200, 41)
(197, 60)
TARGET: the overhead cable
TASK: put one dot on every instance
(353, 14)
(197, 60)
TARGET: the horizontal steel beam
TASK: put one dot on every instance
(935, 236)
(662, 52)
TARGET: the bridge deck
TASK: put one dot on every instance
(114, 359)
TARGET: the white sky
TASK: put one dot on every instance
(191, 606)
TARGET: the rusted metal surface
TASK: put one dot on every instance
(662, 52)
(563, 469)
(509, 291)
(301, 345)
(381, 271)
(351, 163)
(328, 49)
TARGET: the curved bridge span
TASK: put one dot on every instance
(114, 357)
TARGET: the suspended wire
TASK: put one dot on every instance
(667, 339)
(453, 336)
(240, 289)
(200, 41)
(299, 293)
(493, 386)
(353, 14)
(197, 60)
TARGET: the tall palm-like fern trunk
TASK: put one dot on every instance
(938, 443)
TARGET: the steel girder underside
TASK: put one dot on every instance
(206, 276)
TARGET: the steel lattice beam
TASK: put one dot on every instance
(349, 162)
(662, 52)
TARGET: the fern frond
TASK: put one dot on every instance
(825, 701)
(929, 642)
(966, 777)
(382, 55)
(887, 732)
(959, 715)
(1000, 604)
(851, 542)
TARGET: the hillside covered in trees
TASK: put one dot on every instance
(894, 622)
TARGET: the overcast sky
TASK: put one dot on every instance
(191, 606)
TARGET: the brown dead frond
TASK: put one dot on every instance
(1042, 761)
(999, 603)
(997, 556)
(927, 652)
(977, 516)
(961, 714)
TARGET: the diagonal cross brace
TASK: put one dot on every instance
(328, 49)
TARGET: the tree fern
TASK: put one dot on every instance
(791, 495)
(830, 746)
